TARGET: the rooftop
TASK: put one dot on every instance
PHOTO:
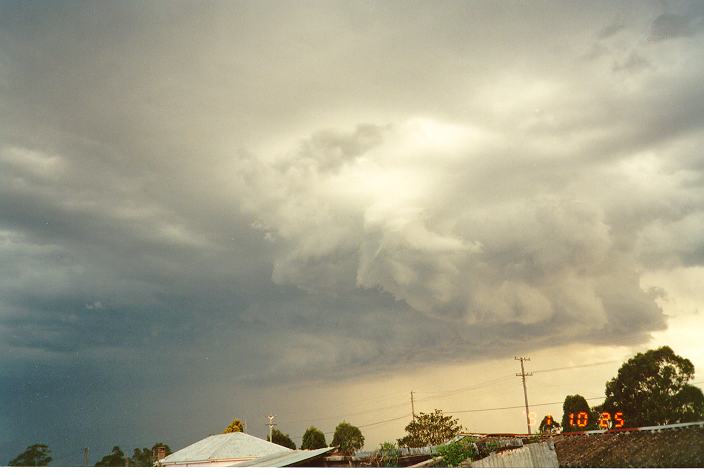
(285, 459)
(232, 447)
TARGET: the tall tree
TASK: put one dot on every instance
(347, 438)
(37, 455)
(145, 457)
(235, 426)
(116, 458)
(313, 439)
(548, 424)
(577, 416)
(430, 429)
(141, 458)
(156, 453)
(652, 388)
(282, 439)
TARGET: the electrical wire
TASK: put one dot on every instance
(346, 415)
(516, 407)
(588, 365)
(450, 392)
(376, 423)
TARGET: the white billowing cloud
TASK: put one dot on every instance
(412, 214)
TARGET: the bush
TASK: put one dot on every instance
(457, 452)
(387, 455)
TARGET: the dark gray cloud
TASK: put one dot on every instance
(669, 25)
(193, 197)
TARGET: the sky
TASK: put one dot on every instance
(310, 209)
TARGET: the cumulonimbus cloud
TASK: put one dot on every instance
(411, 213)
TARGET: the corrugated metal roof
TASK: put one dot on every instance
(284, 459)
(235, 445)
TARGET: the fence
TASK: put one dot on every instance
(540, 455)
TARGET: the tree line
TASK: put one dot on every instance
(39, 455)
(347, 438)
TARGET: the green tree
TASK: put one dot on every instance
(282, 439)
(573, 419)
(145, 457)
(141, 458)
(313, 439)
(430, 429)
(235, 426)
(457, 452)
(116, 458)
(155, 450)
(548, 424)
(347, 438)
(37, 455)
(652, 388)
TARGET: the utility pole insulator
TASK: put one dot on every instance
(271, 425)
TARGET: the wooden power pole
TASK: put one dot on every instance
(523, 375)
(413, 407)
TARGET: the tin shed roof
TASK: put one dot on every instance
(232, 446)
(284, 459)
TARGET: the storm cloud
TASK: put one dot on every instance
(253, 192)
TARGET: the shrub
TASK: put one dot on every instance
(457, 452)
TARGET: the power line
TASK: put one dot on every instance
(588, 365)
(397, 396)
(515, 407)
(450, 392)
(346, 415)
(387, 396)
(483, 384)
(369, 424)
(405, 416)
